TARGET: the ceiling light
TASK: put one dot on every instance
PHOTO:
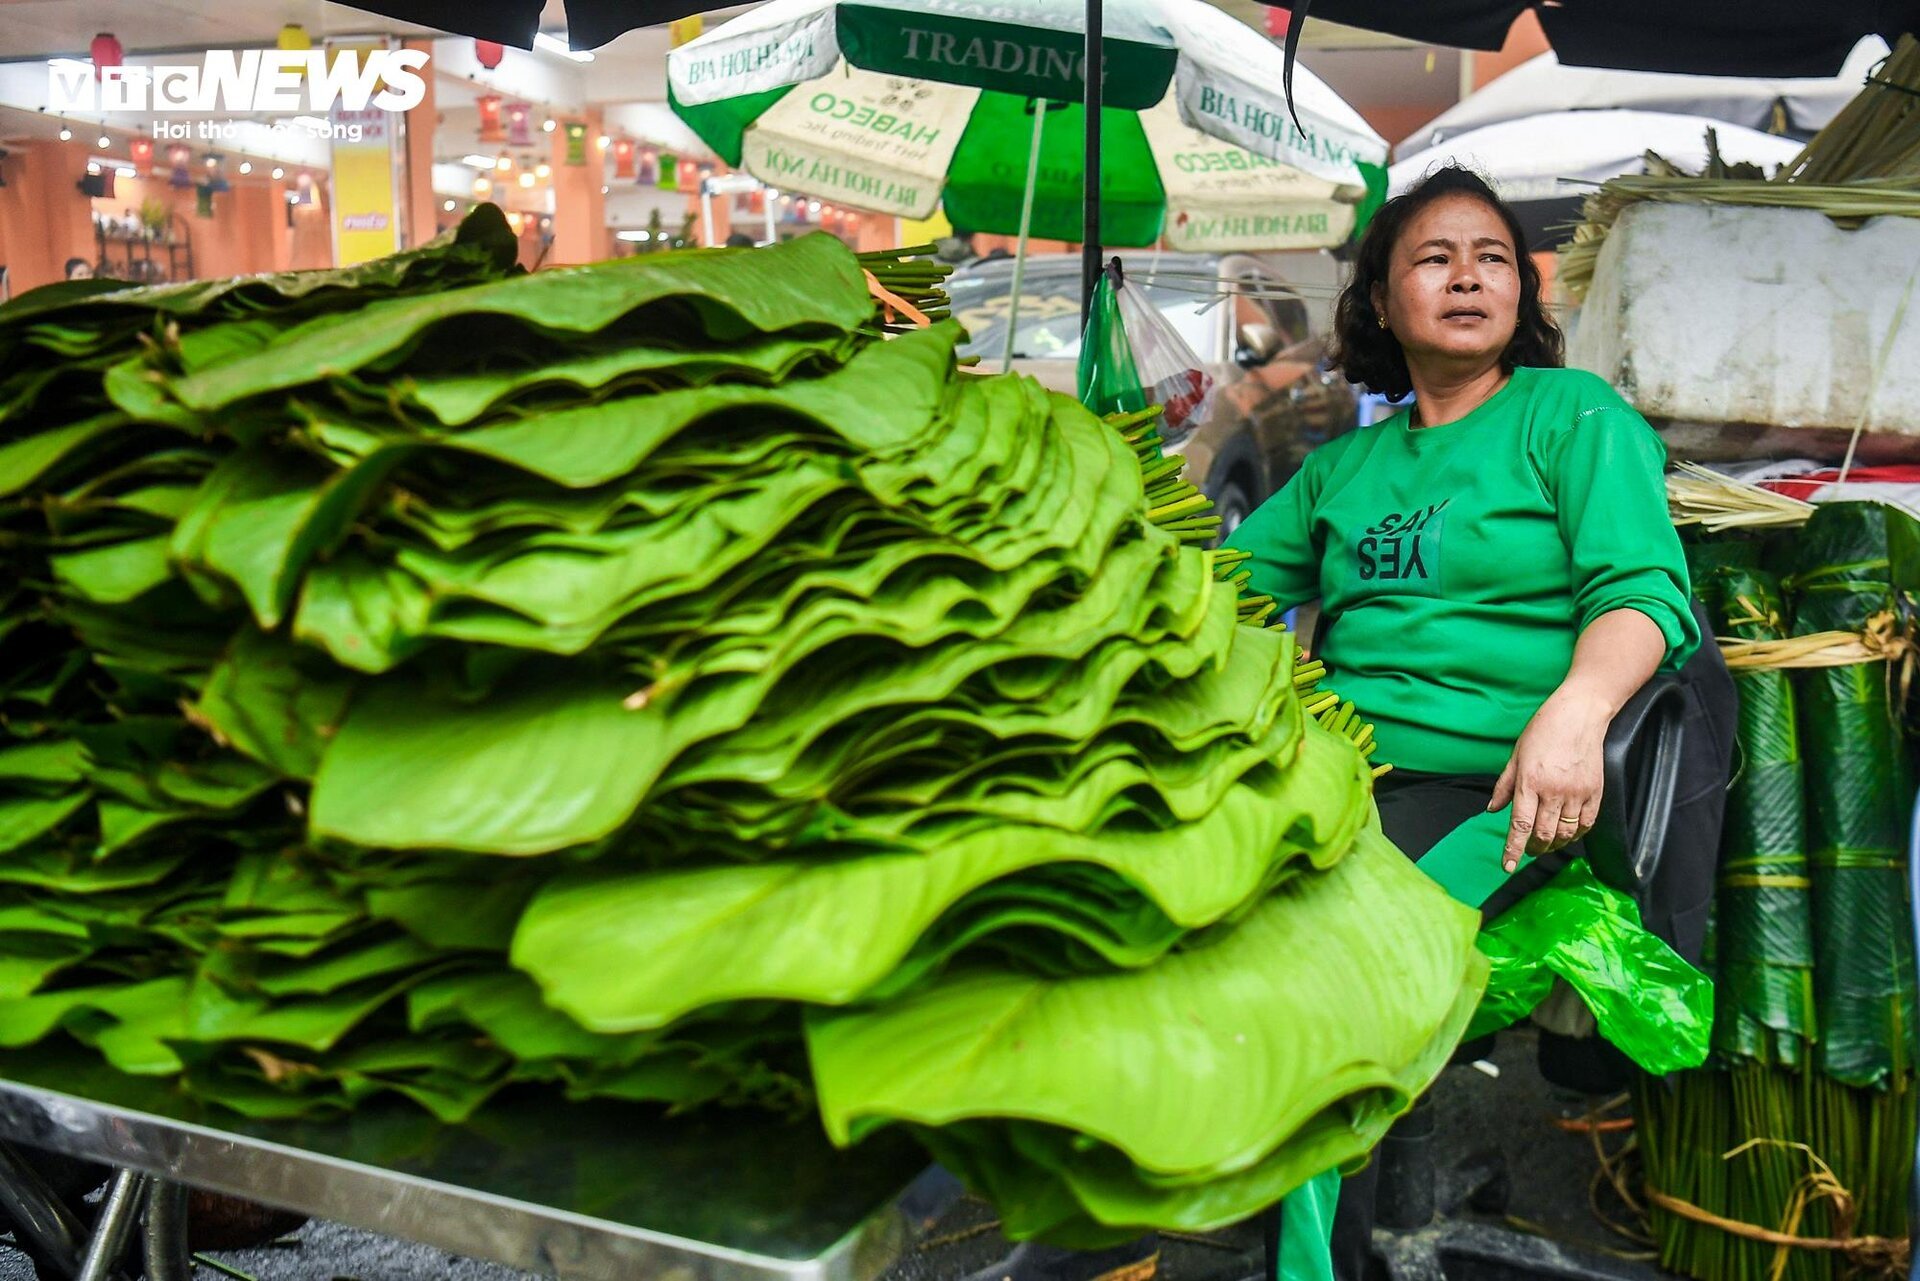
(477, 160)
(105, 142)
(246, 166)
(549, 125)
(447, 205)
(604, 142)
(631, 236)
(554, 44)
(504, 163)
(543, 170)
(603, 191)
(66, 134)
(126, 171)
(481, 186)
(526, 177)
(278, 172)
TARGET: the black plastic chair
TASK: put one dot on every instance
(1642, 777)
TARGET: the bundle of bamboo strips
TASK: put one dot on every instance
(1877, 135)
(1699, 495)
(1864, 164)
(1775, 1152)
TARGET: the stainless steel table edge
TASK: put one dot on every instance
(464, 1221)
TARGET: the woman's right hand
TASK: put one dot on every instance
(1554, 777)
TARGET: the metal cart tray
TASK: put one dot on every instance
(574, 1190)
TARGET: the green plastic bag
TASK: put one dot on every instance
(1109, 379)
(1648, 1001)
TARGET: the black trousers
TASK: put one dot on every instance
(1416, 811)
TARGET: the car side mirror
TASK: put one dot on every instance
(1258, 344)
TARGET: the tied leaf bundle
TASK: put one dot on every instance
(654, 681)
(1859, 800)
(1763, 917)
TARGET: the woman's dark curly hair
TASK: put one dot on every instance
(1368, 354)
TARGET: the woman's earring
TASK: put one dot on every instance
(1383, 320)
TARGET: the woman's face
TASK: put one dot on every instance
(1452, 291)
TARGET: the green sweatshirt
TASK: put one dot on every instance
(1460, 563)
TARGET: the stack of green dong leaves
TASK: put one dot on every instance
(652, 681)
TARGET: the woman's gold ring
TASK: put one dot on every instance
(1569, 822)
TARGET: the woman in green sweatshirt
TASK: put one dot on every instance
(1495, 566)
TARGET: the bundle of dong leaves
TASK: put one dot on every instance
(1815, 1035)
(653, 681)
(1814, 936)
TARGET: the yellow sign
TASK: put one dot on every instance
(915, 231)
(686, 30)
(366, 206)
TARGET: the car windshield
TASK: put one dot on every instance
(1048, 325)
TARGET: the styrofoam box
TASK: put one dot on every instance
(1738, 330)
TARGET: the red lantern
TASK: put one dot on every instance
(489, 107)
(142, 154)
(623, 157)
(178, 158)
(106, 53)
(519, 124)
(488, 53)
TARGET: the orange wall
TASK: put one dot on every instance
(1549, 264)
(423, 207)
(1395, 123)
(1525, 39)
(44, 217)
(310, 244)
(247, 232)
(580, 232)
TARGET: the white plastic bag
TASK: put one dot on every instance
(1171, 374)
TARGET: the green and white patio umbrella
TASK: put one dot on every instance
(901, 106)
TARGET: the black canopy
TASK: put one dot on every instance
(1772, 38)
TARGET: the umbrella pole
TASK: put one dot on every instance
(1026, 225)
(1095, 94)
